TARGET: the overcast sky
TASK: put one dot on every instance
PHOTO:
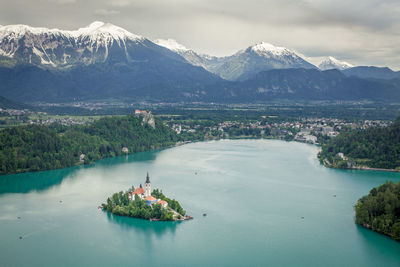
(362, 32)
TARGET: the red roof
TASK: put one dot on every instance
(162, 202)
(138, 191)
(150, 198)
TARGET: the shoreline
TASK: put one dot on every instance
(368, 227)
(183, 218)
(327, 164)
(373, 169)
(181, 143)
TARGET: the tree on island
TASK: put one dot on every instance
(172, 203)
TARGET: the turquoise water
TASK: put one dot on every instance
(255, 193)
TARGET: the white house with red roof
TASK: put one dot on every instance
(163, 203)
(138, 191)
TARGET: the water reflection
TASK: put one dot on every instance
(142, 156)
(40, 181)
(34, 181)
(143, 226)
(369, 239)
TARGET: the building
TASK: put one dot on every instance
(147, 186)
(140, 112)
(177, 128)
(138, 191)
(150, 200)
(163, 203)
(147, 117)
(145, 194)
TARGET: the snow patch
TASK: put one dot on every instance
(40, 54)
(264, 48)
(95, 36)
(96, 31)
(171, 44)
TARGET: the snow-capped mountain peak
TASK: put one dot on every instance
(12, 39)
(267, 48)
(98, 30)
(19, 30)
(95, 30)
(333, 63)
(171, 44)
(54, 47)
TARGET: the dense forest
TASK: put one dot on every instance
(375, 147)
(35, 148)
(380, 210)
(119, 204)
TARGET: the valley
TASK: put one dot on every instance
(276, 124)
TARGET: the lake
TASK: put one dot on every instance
(268, 203)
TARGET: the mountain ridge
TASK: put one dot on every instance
(59, 48)
(103, 61)
(306, 84)
(244, 63)
(372, 72)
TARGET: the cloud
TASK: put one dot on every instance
(360, 32)
(122, 3)
(106, 12)
(63, 2)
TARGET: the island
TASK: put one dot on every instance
(144, 204)
(380, 210)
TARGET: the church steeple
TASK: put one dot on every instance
(147, 178)
(147, 186)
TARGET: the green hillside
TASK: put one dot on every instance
(35, 148)
(375, 147)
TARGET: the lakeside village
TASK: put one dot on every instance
(307, 130)
(145, 204)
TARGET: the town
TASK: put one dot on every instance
(308, 130)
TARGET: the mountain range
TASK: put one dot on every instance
(103, 61)
(245, 63)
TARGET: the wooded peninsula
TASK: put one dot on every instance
(380, 210)
(374, 147)
(36, 147)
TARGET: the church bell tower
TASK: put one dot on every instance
(147, 186)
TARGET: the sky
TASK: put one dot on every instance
(361, 32)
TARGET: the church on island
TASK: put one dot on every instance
(145, 194)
